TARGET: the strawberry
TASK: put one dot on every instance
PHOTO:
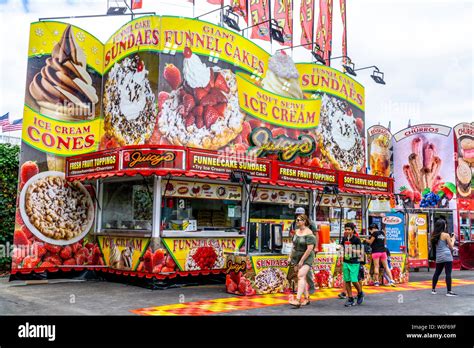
(187, 53)
(238, 139)
(147, 261)
(199, 122)
(28, 169)
(221, 108)
(30, 262)
(232, 288)
(407, 193)
(242, 286)
(297, 161)
(170, 262)
(140, 66)
(18, 218)
(27, 232)
(235, 276)
(54, 249)
(70, 262)
(172, 75)
(75, 247)
(158, 257)
(39, 249)
(47, 264)
(327, 165)
(167, 270)
(416, 196)
(54, 259)
(188, 102)
(89, 246)
(213, 97)
(200, 93)
(80, 259)
(246, 129)
(190, 120)
(250, 291)
(141, 267)
(157, 268)
(255, 123)
(107, 142)
(66, 252)
(20, 238)
(83, 251)
(293, 133)
(360, 125)
(162, 96)
(210, 116)
(198, 111)
(278, 131)
(221, 83)
(349, 112)
(314, 163)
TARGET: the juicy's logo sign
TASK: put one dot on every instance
(137, 158)
(263, 143)
(235, 267)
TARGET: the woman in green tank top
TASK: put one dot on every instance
(302, 255)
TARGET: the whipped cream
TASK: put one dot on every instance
(133, 100)
(196, 73)
(283, 66)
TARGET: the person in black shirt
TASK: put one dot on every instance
(352, 254)
(377, 242)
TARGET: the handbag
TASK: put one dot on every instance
(432, 253)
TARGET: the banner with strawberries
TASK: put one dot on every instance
(122, 253)
(194, 254)
(424, 166)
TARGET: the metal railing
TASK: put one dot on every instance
(5, 139)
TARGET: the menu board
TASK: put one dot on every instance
(187, 189)
(343, 201)
(276, 196)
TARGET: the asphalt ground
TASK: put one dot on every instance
(100, 297)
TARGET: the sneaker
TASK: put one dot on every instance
(451, 294)
(392, 283)
(433, 292)
(376, 284)
(342, 295)
(360, 298)
(350, 302)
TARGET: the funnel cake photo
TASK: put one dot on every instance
(202, 109)
(340, 139)
(270, 280)
(129, 103)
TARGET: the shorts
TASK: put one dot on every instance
(350, 272)
(382, 256)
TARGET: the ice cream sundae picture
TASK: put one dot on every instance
(63, 89)
(129, 102)
(380, 156)
(202, 108)
(340, 135)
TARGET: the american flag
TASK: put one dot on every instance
(14, 126)
(4, 119)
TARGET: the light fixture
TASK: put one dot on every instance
(231, 19)
(316, 55)
(116, 10)
(378, 77)
(349, 68)
(276, 32)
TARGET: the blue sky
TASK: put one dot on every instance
(424, 47)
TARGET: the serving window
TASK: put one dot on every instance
(340, 209)
(196, 206)
(127, 205)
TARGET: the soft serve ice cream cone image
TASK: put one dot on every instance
(282, 77)
(380, 156)
(63, 89)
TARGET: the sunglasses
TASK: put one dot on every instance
(299, 219)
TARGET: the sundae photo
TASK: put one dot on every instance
(380, 156)
(465, 169)
(340, 135)
(129, 103)
(202, 108)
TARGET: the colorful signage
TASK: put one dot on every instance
(394, 230)
(379, 148)
(359, 182)
(201, 253)
(152, 158)
(464, 150)
(424, 166)
(276, 196)
(306, 175)
(418, 240)
(324, 267)
(99, 162)
(224, 163)
(122, 253)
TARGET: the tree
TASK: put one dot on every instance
(9, 162)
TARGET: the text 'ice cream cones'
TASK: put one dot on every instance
(63, 89)
(282, 76)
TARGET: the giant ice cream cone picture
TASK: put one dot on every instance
(64, 89)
